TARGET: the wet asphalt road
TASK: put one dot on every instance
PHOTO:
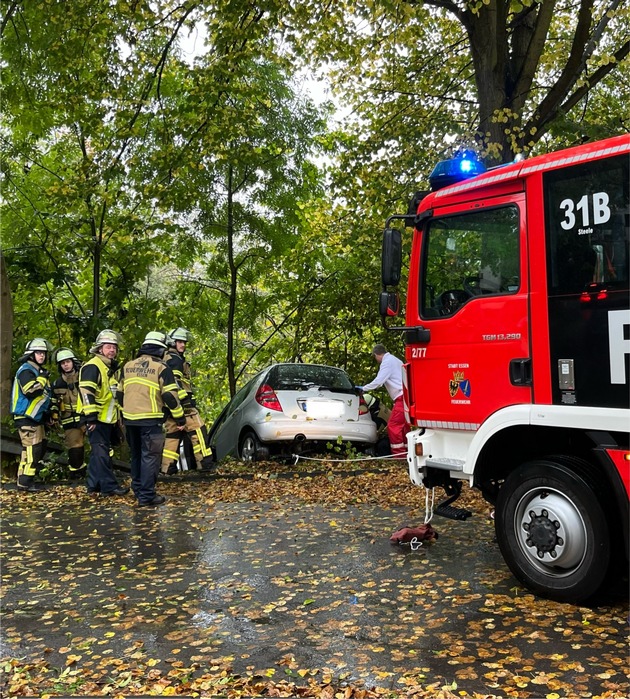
(282, 586)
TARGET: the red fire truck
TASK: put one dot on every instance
(517, 335)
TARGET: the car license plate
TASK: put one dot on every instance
(322, 408)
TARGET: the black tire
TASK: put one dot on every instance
(249, 447)
(552, 529)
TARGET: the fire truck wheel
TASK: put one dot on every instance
(552, 530)
(249, 447)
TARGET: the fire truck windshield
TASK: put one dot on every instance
(468, 255)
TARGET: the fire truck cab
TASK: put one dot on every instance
(517, 334)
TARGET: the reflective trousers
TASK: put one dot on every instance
(198, 434)
(74, 440)
(397, 428)
(33, 439)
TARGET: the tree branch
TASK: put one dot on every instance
(526, 69)
(9, 15)
(542, 125)
(43, 245)
(573, 68)
(283, 322)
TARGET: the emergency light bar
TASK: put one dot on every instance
(462, 167)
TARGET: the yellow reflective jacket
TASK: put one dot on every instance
(97, 388)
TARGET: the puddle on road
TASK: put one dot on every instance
(259, 581)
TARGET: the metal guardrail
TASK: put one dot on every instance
(10, 446)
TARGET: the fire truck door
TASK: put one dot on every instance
(587, 234)
(473, 297)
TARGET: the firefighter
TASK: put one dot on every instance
(30, 404)
(99, 412)
(147, 386)
(390, 375)
(380, 413)
(195, 427)
(65, 397)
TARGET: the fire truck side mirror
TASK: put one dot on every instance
(391, 262)
(389, 303)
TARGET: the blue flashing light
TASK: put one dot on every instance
(462, 167)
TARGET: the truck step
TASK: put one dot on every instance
(446, 464)
(451, 512)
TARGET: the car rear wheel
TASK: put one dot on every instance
(552, 529)
(249, 447)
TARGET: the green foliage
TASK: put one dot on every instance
(147, 188)
(424, 77)
(136, 163)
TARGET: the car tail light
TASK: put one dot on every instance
(266, 396)
(363, 406)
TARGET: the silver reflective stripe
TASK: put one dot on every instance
(439, 424)
(110, 415)
(36, 405)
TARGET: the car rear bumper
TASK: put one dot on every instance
(314, 430)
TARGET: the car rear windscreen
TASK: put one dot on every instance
(295, 377)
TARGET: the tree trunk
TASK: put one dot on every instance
(97, 249)
(6, 339)
(505, 59)
(233, 284)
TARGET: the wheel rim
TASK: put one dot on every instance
(550, 531)
(248, 449)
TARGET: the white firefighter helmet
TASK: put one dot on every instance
(38, 344)
(105, 337)
(64, 353)
(369, 399)
(180, 334)
(156, 338)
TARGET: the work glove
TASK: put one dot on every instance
(406, 535)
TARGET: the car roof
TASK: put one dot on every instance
(327, 366)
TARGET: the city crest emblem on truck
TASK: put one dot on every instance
(459, 383)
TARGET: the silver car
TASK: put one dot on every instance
(287, 408)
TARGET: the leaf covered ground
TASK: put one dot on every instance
(283, 583)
